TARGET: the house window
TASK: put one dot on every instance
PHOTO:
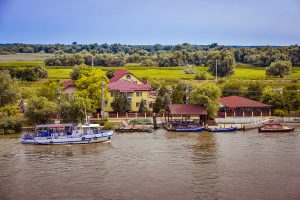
(129, 94)
(128, 77)
(112, 94)
(137, 104)
(138, 94)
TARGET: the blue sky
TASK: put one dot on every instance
(229, 22)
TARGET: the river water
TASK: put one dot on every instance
(161, 165)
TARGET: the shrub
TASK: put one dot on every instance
(279, 113)
(108, 126)
(189, 70)
(201, 76)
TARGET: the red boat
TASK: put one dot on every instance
(275, 127)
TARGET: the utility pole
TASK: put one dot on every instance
(187, 95)
(103, 100)
(216, 70)
(92, 60)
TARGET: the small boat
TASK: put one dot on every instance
(67, 134)
(198, 129)
(275, 127)
(217, 130)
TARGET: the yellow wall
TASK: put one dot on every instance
(132, 79)
(135, 99)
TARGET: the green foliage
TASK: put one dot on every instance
(178, 94)
(291, 100)
(148, 62)
(108, 126)
(72, 108)
(120, 103)
(158, 104)
(9, 110)
(8, 124)
(76, 72)
(190, 70)
(9, 89)
(39, 110)
(143, 107)
(201, 76)
(279, 68)
(208, 95)
(109, 74)
(166, 100)
(273, 98)
(254, 91)
(224, 60)
(232, 88)
(51, 90)
(89, 85)
(279, 113)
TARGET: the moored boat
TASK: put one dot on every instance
(230, 129)
(67, 134)
(197, 129)
(275, 127)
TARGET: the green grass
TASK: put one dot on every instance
(59, 73)
(23, 57)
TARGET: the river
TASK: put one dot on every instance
(162, 165)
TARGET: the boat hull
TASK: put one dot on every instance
(201, 129)
(222, 130)
(86, 139)
(262, 130)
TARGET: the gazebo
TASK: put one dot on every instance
(235, 106)
(182, 113)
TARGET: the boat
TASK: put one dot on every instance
(67, 134)
(217, 130)
(275, 127)
(197, 129)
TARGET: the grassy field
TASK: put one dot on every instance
(24, 57)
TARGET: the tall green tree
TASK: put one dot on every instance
(223, 59)
(143, 107)
(51, 90)
(120, 103)
(273, 98)
(208, 95)
(232, 88)
(9, 89)
(73, 108)
(178, 94)
(254, 91)
(40, 109)
(89, 85)
(158, 104)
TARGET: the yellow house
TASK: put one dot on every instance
(134, 88)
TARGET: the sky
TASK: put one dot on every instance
(227, 22)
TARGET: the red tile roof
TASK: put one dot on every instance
(127, 86)
(118, 74)
(68, 83)
(187, 109)
(241, 102)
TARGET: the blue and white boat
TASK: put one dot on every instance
(198, 129)
(220, 130)
(67, 134)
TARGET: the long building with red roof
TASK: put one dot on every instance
(240, 106)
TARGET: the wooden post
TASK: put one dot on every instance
(233, 113)
(145, 115)
(135, 115)
(261, 114)
(225, 114)
(243, 112)
(270, 113)
(117, 115)
(252, 113)
(126, 115)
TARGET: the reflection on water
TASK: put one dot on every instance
(162, 165)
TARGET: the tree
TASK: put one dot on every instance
(279, 68)
(109, 74)
(9, 91)
(39, 110)
(51, 90)
(291, 100)
(89, 85)
(200, 76)
(178, 94)
(9, 110)
(158, 104)
(207, 95)
(254, 91)
(73, 108)
(232, 88)
(166, 101)
(273, 98)
(120, 103)
(143, 107)
(76, 72)
(224, 60)
(148, 62)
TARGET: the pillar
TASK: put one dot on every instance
(270, 113)
(225, 114)
(233, 113)
(261, 114)
(243, 112)
(135, 115)
(145, 115)
(126, 115)
(252, 113)
(117, 115)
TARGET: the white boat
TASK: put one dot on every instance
(67, 134)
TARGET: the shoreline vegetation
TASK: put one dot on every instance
(165, 68)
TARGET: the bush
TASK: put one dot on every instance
(108, 126)
(279, 68)
(279, 113)
(189, 70)
(201, 76)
